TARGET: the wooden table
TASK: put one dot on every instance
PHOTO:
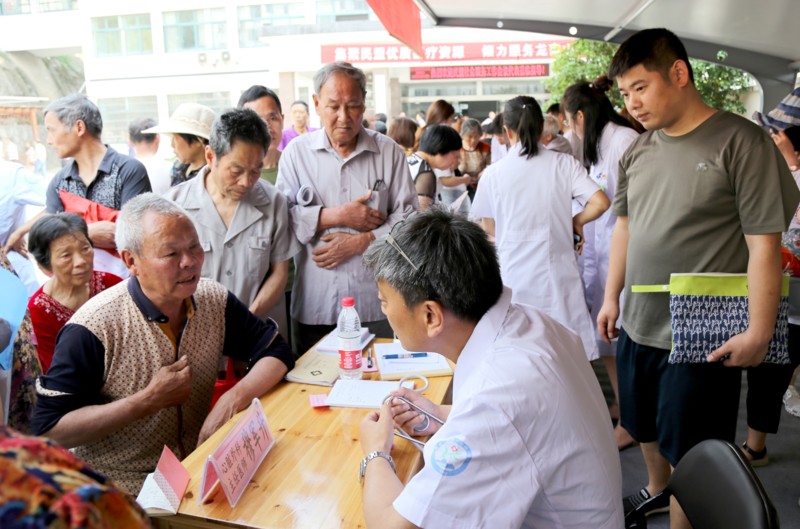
(310, 477)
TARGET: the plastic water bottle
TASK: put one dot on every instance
(348, 330)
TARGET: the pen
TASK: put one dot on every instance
(405, 355)
(369, 357)
(377, 185)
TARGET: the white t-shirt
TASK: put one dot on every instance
(528, 442)
(530, 200)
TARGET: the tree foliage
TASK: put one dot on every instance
(585, 60)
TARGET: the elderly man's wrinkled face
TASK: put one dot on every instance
(169, 264)
(236, 173)
(340, 105)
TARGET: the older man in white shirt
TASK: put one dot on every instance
(346, 185)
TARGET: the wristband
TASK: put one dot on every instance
(372, 455)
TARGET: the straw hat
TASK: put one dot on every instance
(786, 114)
(188, 118)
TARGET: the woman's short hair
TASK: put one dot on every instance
(439, 139)
(49, 228)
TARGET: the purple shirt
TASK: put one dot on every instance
(290, 134)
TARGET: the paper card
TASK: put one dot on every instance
(234, 462)
(318, 401)
(171, 477)
(163, 490)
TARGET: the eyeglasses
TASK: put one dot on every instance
(393, 243)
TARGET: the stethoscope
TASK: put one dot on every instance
(421, 427)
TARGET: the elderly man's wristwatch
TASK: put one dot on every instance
(372, 455)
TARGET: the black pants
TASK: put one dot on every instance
(766, 385)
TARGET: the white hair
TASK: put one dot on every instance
(129, 234)
(550, 126)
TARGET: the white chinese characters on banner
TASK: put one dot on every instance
(370, 53)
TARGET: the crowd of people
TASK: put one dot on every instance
(509, 246)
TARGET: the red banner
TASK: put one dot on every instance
(466, 51)
(425, 73)
(401, 20)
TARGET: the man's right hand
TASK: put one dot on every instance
(607, 321)
(171, 386)
(358, 216)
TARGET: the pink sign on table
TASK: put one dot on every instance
(238, 456)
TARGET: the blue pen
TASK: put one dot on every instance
(404, 355)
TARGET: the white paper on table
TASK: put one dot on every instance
(330, 344)
(362, 393)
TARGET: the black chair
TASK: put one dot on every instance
(717, 488)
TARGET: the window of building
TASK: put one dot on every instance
(465, 88)
(513, 87)
(118, 112)
(200, 29)
(216, 101)
(343, 11)
(259, 21)
(15, 7)
(57, 5)
(122, 35)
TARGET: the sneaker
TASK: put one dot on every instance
(645, 504)
(791, 401)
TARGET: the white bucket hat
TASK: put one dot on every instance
(188, 118)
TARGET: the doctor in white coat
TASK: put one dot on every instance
(606, 136)
(525, 201)
(526, 442)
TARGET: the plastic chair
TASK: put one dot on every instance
(716, 487)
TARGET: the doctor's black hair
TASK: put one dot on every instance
(591, 99)
(524, 116)
(456, 264)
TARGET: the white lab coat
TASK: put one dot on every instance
(530, 201)
(614, 141)
(527, 442)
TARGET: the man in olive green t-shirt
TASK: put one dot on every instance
(701, 191)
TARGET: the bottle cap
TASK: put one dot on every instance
(348, 302)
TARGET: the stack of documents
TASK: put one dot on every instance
(394, 362)
(330, 344)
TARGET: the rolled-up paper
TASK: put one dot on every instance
(304, 196)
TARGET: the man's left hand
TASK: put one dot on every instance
(341, 247)
(377, 431)
(224, 409)
(742, 350)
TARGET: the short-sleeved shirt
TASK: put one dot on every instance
(530, 200)
(690, 200)
(260, 234)
(310, 163)
(527, 442)
(119, 179)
